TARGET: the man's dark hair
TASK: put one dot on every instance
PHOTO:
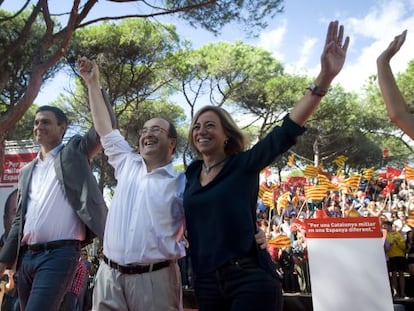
(60, 115)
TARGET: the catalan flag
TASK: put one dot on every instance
(410, 219)
(340, 160)
(315, 193)
(283, 200)
(311, 171)
(340, 172)
(264, 187)
(281, 241)
(353, 181)
(267, 199)
(369, 173)
(291, 160)
(409, 173)
(324, 181)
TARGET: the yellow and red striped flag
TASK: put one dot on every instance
(281, 241)
(410, 219)
(340, 160)
(325, 181)
(283, 200)
(315, 193)
(267, 199)
(311, 171)
(291, 160)
(353, 181)
(266, 194)
(369, 173)
(409, 173)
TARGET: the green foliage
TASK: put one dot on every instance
(131, 57)
(380, 128)
(179, 167)
(250, 13)
(221, 72)
(337, 128)
(134, 117)
(251, 81)
(135, 40)
(144, 66)
(33, 43)
(15, 73)
(24, 128)
(405, 82)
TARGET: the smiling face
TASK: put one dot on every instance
(208, 134)
(154, 140)
(47, 131)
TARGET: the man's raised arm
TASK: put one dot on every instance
(102, 120)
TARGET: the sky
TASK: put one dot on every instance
(296, 36)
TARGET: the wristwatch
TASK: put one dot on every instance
(316, 90)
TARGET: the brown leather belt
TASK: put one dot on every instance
(41, 247)
(136, 269)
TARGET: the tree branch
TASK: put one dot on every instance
(24, 34)
(165, 12)
(15, 14)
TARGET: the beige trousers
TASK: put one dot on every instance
(154, 291)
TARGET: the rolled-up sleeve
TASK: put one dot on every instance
(117, 149)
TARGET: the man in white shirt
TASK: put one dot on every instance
(144, 228)
(59, 208)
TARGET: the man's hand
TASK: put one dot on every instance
(88, 70)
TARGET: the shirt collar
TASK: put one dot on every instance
(167, 169)
(52, 153)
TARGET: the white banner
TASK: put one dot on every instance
(347, 265)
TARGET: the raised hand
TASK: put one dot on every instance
(88, 70)
(397, 108)
(393, 47)
(334, 52)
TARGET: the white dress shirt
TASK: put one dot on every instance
(146, 217)
(49, 215)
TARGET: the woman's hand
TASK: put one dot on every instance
(334, 52)
(392, 48)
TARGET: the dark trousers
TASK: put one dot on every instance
(240, 285)
(69, 302)
(44, 276)
(186, 272)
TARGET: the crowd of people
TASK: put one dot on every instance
(395, 211)
(157, 214)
